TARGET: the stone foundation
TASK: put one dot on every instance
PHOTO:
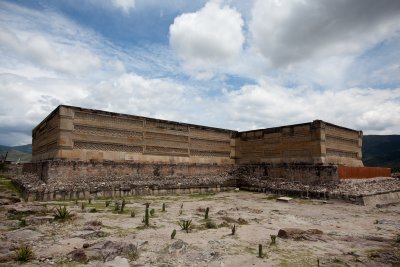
(64, 180)
(59, 179)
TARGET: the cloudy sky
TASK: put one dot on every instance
(234, 64)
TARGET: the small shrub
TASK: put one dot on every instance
(211, 225)
(186, 225)
(242, 221)
(163, 207)
(22, 223)
(133, 255)
(93, 210)
(273, 239)
(62, 214)
(133, 214)
(233, 229)
(90, 201)
(24, 253)
(152, 211)
(173, 234)
(116, 207)
(180, 212)
(76, 202)
(95, 223)
(82, 206)
(107, 203)
(206, 214)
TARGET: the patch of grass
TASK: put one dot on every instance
(22, 223)
(300, 257)
(133, 255)
(202, 196)
(271, 197)
(24, 253)
(5, 183)
(211, 225)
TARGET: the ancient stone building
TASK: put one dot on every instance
(81, 153)
(72, 133)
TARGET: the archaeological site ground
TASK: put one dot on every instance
(109, 189)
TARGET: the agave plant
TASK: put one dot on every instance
(185, 225)
(62, 214)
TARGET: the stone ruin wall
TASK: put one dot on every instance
(79, 151)
(72, 133)
(62, 179)
(288, 144)
(102, 136)
(342, 146)
(316, 142)
(46, 138)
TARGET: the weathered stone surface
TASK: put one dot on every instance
(179, 246)
(299, 234)
(23, 235)
(78, 255)
(38, 220)
(118, 262)
(105, 250)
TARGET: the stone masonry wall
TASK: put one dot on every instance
(103, 136)
(288, 144)
(72, 133)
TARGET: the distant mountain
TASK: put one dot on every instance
(381, 151)
(15, 153)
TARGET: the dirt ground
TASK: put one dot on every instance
(352, 235)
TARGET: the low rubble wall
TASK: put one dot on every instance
(60, 179)
(52, 180)
(261, 175)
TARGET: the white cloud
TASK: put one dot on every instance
(207, 39)
(288, 32)
(268, 104)
(48, 53)
(47, 59)
(124, 5)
